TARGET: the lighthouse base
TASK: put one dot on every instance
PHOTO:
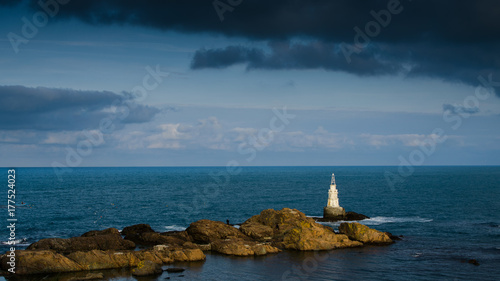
(334, 213)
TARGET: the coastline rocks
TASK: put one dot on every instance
(257, 231)
(352, 216)
(207, 231)
(145, 268)
(143, 234)
(348, 216)
(241, 247)
(154, 238)
(364, 234)
(46, 261)
(293, 230)
(134, 232)
(98, 242)
(95, 260)
(265, 233)
(101, 232)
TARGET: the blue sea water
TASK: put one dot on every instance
(447, 215)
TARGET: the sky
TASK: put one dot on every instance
(249, 83)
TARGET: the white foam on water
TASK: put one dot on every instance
(174, 228)
(382, 220)
(18, 242)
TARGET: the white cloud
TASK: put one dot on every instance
(411, 140)
(64, 137)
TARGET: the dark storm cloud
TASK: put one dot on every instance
(285, 55)
(449, 40)
(66, 109)
(447, 21)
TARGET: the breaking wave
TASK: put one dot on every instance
(382, 220)
(18, 242)
(174, 228)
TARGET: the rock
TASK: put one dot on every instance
(293, 230)
(187, 255)
(100, 242)
(153, 238)
(98, 260)
(134, 232)
(90, 276)
(204, 247)
(207, 231)
(473, 261)
(46, 261)
(352, 216)
(38, 262)
(101, 232)
(237, 247)
(364, 234)
(146, 268)
(393, 237)
(333, 213)
(174, 269)
(257, 231)
(349, 216)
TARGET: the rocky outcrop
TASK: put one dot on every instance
(228, 240)
(293, 230)
(46, 261)
(257, 231)
(207, 231)
(96, 242)
(352, 216)
(262, 234)
(145, 268)
(242, 247)
(101, 232)
(348, 216)
(364, 234)
(134, 232)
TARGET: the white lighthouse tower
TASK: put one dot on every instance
(333, 209)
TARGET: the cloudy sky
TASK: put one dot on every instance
(196, 83)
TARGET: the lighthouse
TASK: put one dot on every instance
(333, 210)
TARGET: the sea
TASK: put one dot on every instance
(447, 215)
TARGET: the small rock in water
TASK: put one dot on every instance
(174, 269)
(473, 261)
(393, 237)
(145, 268)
